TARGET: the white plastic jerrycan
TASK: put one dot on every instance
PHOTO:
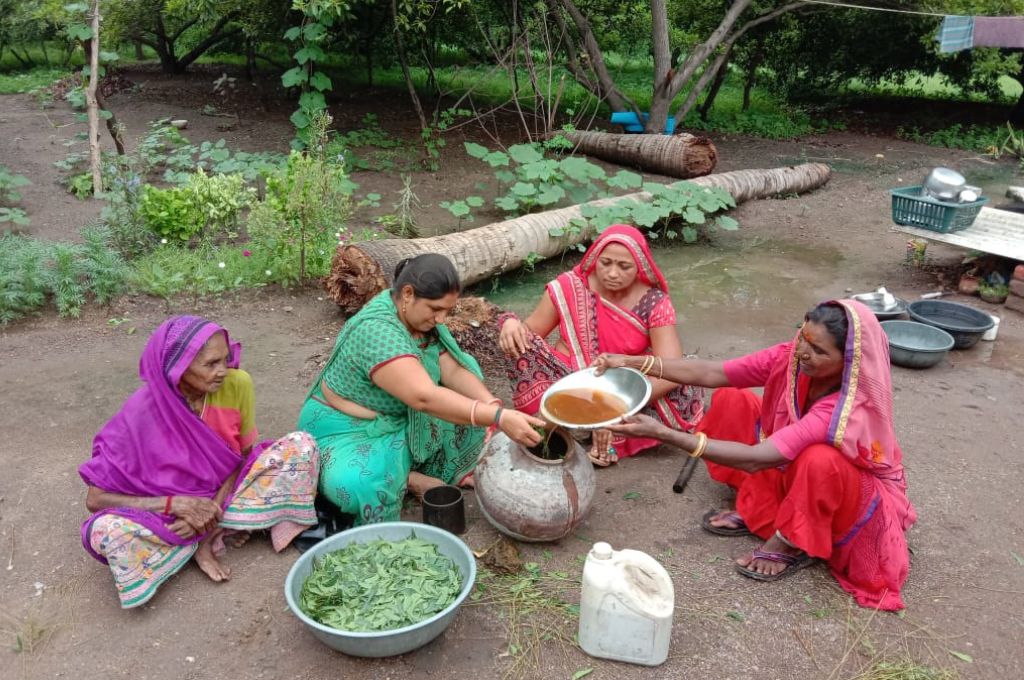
(626, 606)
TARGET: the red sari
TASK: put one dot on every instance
(590, 325)
(844, 497)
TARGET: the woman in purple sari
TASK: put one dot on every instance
(178, 467)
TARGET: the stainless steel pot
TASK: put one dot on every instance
(943, 184)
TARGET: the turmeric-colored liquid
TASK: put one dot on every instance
(582, 405)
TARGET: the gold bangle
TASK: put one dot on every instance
(645, 368)
(661, 369)
(702, 445)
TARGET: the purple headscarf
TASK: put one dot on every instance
(155, 445)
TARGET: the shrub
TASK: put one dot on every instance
(170, 212)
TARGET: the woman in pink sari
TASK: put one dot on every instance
(615, 300)
(815, 462)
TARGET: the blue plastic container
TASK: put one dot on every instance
(630, 123)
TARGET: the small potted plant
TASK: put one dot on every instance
(993, 292)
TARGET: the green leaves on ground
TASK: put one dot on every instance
(966, 658)
(380, 585)
(631, 495)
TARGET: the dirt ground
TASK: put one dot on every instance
(62, 379)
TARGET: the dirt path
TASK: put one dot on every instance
(956, 422)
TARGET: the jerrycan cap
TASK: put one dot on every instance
(601, 551)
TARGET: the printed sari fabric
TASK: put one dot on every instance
(366, 462)
(590, 325)
(156, 446)
(844, 496)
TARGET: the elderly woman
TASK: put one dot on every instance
(815, 463)
(179, 466)
(615, 300)
(399, 405)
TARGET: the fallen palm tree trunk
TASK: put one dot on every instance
(683, 156)
(360, 271)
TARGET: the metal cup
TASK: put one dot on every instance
(444, 507)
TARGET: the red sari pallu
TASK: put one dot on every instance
(590, 325)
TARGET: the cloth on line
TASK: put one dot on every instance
(999, 32)
(956, 33)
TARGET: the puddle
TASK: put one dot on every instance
(731, 297)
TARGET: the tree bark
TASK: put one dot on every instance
(682, 156)
(606, 86)
(358, 272)
(92, 105)
(400, 46)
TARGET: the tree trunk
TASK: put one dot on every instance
(92, 106)
(716, 85)
(358, 272)
(400, 47)
(1016, 117)
(139, 54)
(682, 156)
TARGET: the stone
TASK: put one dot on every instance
(1018, 272)
(1016, 193)
(1017, 288)
(1015, 303)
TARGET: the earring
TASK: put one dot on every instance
(404, 308)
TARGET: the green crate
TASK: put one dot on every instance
(911, 209)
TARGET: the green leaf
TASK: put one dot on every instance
(314, 32)
(497, 159)
(631, 495)
(299, 120)
(311, 102)
(1018, 558)
(625, 179)
(474, 201)
(727, 223)
(107, 57)
(735, 615)
(476, 150)
(646, 215)
(293, 33)
(524, 153)
(690, 234)
(320, 81)
(293, 77)
(507, 203)
(581, 673)
(459, 209)
(505, 176)
(524, 189)
(80, 32)
(309, 53)
(550, 194)
(576, 168)
(693, 216)
(960, 655)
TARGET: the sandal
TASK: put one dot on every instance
(794, 563)
(740, 528)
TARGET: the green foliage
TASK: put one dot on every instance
(380, 585)
(34, 271)
(307, 201)
(317, 17)
(170, 212)
(206, 206)
(28, 81)
(989, 139)
(9, 185)
(402, 222)
(9, 194)
(369, 147)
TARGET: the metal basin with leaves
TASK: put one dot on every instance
(388, 642)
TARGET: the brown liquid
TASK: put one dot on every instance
(582, 405)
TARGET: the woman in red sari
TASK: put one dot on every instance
(815, 463)
(615, 300)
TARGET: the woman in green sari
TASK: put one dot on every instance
(398, 405)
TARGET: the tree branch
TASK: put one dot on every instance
(616, 99)
(184, 27)
(211, 40)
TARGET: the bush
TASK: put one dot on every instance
(33, 271)
(169, 212)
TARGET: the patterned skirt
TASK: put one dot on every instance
(276, 493)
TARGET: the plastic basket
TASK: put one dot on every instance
(911, 209)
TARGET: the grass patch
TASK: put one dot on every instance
(905, 670)
(24, 82)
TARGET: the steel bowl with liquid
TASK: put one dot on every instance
(586, 401)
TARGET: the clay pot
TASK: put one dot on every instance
(969, 284)
(530, 497)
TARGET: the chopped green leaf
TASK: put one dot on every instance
(961, 656)
(581, 673)
(631, 495)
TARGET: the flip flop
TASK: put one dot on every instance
(794, 563)
(740, 530)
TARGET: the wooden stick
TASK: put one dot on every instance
(684, 475)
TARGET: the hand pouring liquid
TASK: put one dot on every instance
(625, 606)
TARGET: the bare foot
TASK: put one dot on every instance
(769, 567)
(727, 519)
(418, 484)
(208, 562)
(602, 453)
(240, 538)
